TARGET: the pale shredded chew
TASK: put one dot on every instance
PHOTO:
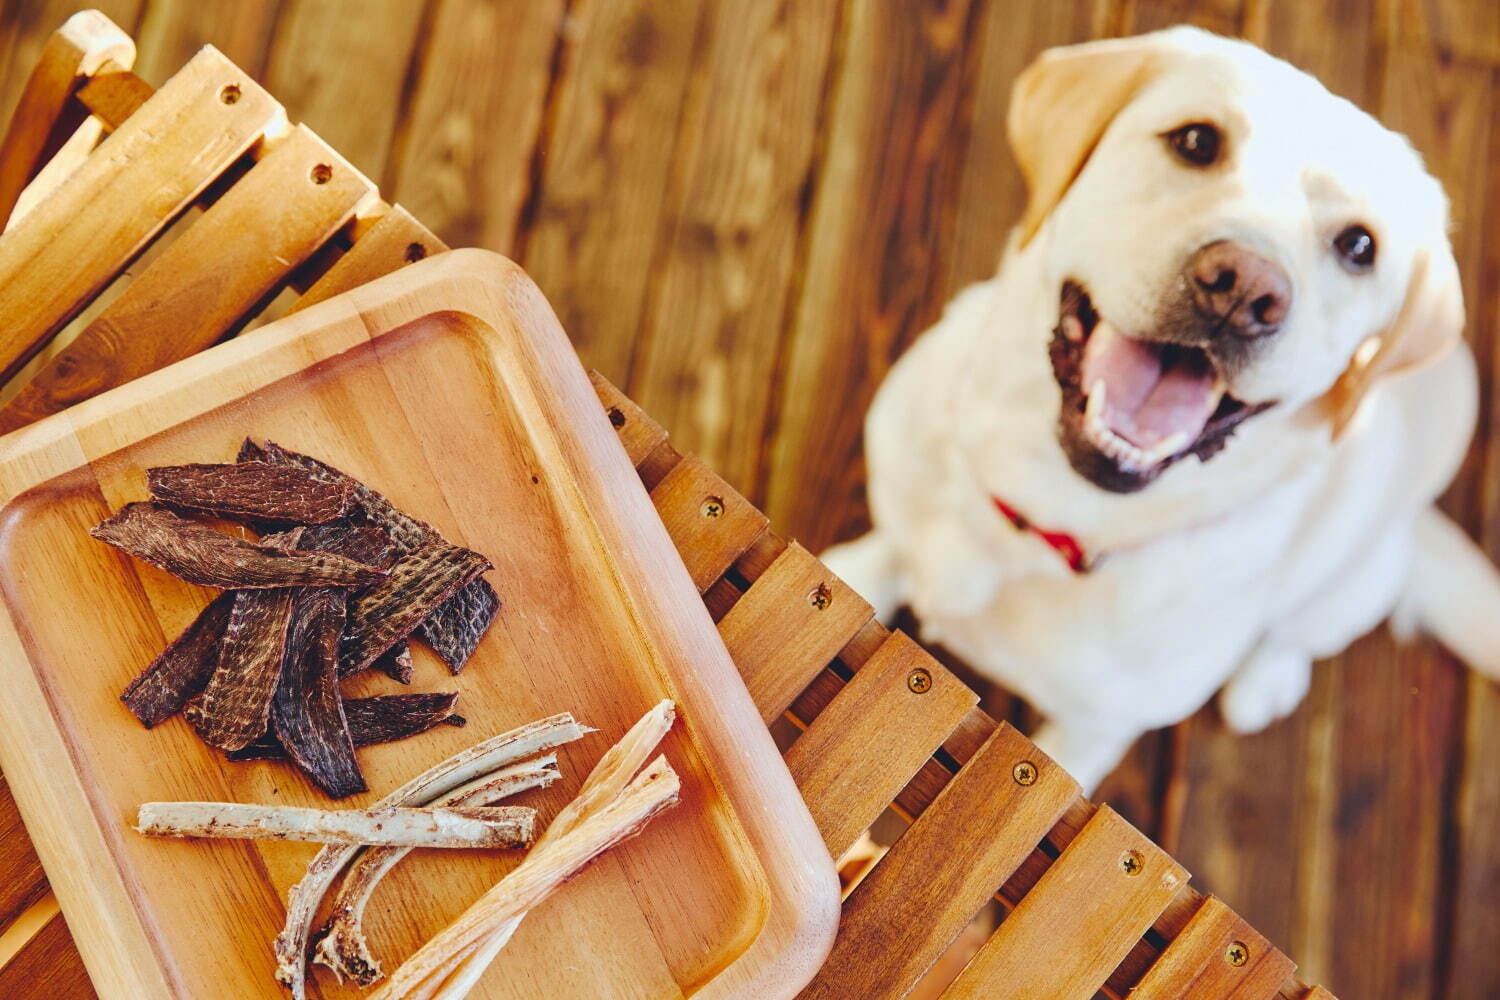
(612, 806)
(343, 947)
(455, 827)
(467, 765)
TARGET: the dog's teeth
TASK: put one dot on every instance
(1072, 328)
(1168, 447)
(1093, 411)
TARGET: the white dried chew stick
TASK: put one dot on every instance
(465, 766)
(610, 807)
(499, 826)
(343, 947)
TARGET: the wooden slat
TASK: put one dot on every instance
(206, 281)
(794, 620)
(140, 178)
(45, 116)
(1218, 955)
(878, 239)
(22, 881)
(466, 150)
(708, 521)
(1222, 16)
(606, 168)
(730, 256)
(172, 30)
(638, 432)
(341, 66)
(873, 736)
(396, 240)
(47, 967)
(1318, 993)
(1069, 932)
(114, 95)
(942, 870)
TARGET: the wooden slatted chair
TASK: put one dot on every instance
(1091, 905)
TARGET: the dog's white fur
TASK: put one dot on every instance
(1233, 573)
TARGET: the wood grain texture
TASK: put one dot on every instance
(172, 31)
(793, 620)
(205, 284)
(391, 242)
(607, 169)
(731, 893)
(1099, 896)
(466, 146)
(341, 67)
(1219, 955)
(730, 255)
(708, 521)
(75, 262)
(638, 432)
(906, 912)
(878, 232)
(874, 735)
(47, 967)
(22, 881)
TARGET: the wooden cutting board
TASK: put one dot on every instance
(449, 387)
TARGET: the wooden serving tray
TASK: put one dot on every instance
(450, 387)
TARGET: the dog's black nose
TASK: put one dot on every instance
(1249, 294)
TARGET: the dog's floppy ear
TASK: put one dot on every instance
(1429, 324)
(1062, 103)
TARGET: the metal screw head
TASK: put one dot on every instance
(230, 93)
(1132, 864)
(415, 252)
(712, 507)
(1024, 773)
(321, 174)
(919, 681)
(1237, 954)
(820, 597)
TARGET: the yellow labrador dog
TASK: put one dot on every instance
(1189, 436)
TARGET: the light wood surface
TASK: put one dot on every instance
(450, 387)
(1218, 954)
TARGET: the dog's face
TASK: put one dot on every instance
(1229, 237)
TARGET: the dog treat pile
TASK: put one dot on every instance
(337, 583)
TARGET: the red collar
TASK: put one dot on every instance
(1063, 544)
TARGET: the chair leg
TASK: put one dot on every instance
(46, 115)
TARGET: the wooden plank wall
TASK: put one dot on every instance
(744, 210)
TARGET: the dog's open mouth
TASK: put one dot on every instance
(1133, 407)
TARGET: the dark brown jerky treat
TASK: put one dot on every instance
(307, 712)
(454, 630)
(251, 491)
(250, 452)
(198, 554)
(382, 719)
(364, 543)
(455, 627)
(390, 611)
(183, 668)
(396, 663)
(235, 707)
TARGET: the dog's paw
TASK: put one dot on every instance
(1270, 686)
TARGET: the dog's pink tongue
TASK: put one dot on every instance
(1143, 404)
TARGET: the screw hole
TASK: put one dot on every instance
(1132, 864)
(229, 94)
(415, 252)
(321, 174)
(820, 597)
(712, 507)
(616, 417)
(534, 480)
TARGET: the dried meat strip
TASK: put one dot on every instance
(183, 668)
(381, 719)
(390, 611)
(364, 543)
(307, 712)
(455, 629)
(235, 707)
(396, 663)
(252, 491)
(198, 554)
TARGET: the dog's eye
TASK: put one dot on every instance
(1356, 247)
(1196, 143)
